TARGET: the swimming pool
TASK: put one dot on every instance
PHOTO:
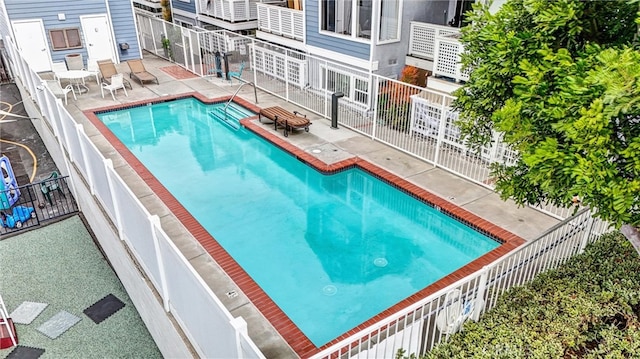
(332, 251)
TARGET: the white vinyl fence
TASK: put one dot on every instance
(211, 329)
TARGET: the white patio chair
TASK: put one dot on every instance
(117, 82)
(58, 67)
(59, 91)
(92, 66)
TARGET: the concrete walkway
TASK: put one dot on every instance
(334, 145)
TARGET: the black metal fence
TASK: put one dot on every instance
(37, 204)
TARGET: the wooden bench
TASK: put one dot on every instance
(288, 120)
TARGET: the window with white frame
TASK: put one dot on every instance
(353, 87)
(389, 20)
(351, 18)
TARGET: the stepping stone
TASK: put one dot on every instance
(22, 352)
(104, 308)
(58, 324)
(27, 312)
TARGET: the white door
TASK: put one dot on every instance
(98, 37)
(32, 42)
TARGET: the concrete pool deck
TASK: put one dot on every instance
(335, 145)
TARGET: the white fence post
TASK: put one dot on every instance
(108, 164)
(587, 233)
(479, 300)
(90, 180)
(240, 326)
(154, 220)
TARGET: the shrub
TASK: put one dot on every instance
(588, 308)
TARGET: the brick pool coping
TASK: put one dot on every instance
(278, 319)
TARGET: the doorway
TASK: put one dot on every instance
(98, 37)
(31, 39)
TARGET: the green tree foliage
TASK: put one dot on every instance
(561, 80)
(166, 10)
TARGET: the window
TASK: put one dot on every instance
(63, 39)
(346, 17)
(390, 20)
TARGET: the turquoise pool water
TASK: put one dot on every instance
(332, 251)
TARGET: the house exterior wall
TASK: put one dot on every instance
(184, 11)
(5, 26)
(123, 22)
(391, 56)
(314, 38)
(188, 6)
(122, 18)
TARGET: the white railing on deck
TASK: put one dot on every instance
(422, 38)
(281, 21)
(229, 10)
(447, 58)
(439, 44)
(210, 327)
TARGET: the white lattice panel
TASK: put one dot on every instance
(263, 18)
(287, 24)
(253, 9)
(226, 10)
(298, 25)
(218, 10)
(274, 21)
(297, 72)
(447, 59)
(273, 64)
(423, 36)
(426, 117)
(422, 41)
(240, 11)
(451, 131)
(279, 67)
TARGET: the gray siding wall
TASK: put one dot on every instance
(48, 10)
(184, 6)
(123, 21)
(5, 27)
(391, 57)
(333, 43)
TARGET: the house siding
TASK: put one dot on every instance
(391, 57)
(5, 27)
(333, 43)
(48, 11)
(123, 22)
(189, 7)
(121, 15)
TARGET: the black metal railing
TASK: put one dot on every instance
(37, 204)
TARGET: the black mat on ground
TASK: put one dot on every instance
(22, 352)
(104, 308)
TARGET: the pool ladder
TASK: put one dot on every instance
(255, 93)
(224, 117)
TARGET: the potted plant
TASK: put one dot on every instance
(166, 45)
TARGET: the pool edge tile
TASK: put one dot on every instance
(278, 319)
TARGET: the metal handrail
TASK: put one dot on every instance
(255, 93)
